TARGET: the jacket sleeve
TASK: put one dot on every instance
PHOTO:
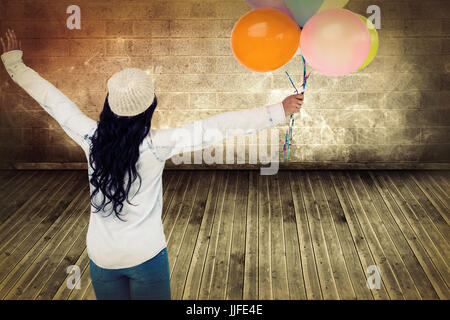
(73, 121)
(204, 133)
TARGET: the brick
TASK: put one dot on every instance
(388, 135)
(200, 47)
(173, 101)
(36, 29)
(339, 100)
(423, 27)
(435, 153)
(144, 47)
(200, 28)
(203, 101)
(45, 47)
(436, 135)
(402, 100)
(119, 47)
(35, 136)
(230, 65)
(361, 118)
(89, 29)
(422, 46)
(151, 29)
(202, 64)
(119, 28)
(171, 65)
(242, 100)
(86, 47)
(330, 135)
(413, 64)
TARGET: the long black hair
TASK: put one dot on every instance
(114, 152)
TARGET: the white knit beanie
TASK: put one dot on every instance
(131, 92)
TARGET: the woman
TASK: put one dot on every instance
(125, 240)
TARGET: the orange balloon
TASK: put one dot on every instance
(265, 39)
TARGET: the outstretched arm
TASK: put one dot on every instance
(74, 122)
(203, 133)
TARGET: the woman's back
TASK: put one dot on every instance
(114, 243)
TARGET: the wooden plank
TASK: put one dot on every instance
(13, 184)
(176, 236)
(90, 293)
(187, 243)
(18, 194)
(350, 251)
(7, 177)
(294, 270)
(435, 225)
(170, 192)
(46, 263)
(428, 208)
(251, 241)
(222, 261)
(166, 177)
(208, 271)
(52, 236)
(325, 271)
(280, 287)
(235, 282)
(409, 232)
(68, 254)
(63, 292)
(175, 206)
(28, 233)
(34, 211)
(86, 291)
(194, 277)
(420, 223)
(370, 218)
(315, 165)
(436, 189)
(365, 255)
(441, 182)
(308, 261)
(264, 248)
(400, 242)
(366, 233)
(335, 253)
(437, 201)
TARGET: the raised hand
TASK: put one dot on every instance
(292, 104)
(12, 42)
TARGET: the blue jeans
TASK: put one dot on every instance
(149, 280)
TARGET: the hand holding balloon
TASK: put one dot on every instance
(292, 104)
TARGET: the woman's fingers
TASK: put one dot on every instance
(13, 38)
(8, 44)
(3, 45)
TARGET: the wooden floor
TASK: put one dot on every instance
(240, 235)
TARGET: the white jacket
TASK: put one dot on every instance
(112, 243)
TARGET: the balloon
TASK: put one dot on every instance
(335, 42)
(333, 4)
(374, 42)
(265, 39)
(275, 4)
(303, 10)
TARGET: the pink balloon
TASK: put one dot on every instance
(335, 42)
(275, 4)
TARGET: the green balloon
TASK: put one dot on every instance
(374, 42)
(303, 10)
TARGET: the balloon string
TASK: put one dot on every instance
(288, 138)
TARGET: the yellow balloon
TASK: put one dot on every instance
(374, 42)
(333, 4)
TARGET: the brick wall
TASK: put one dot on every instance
(395, 110)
